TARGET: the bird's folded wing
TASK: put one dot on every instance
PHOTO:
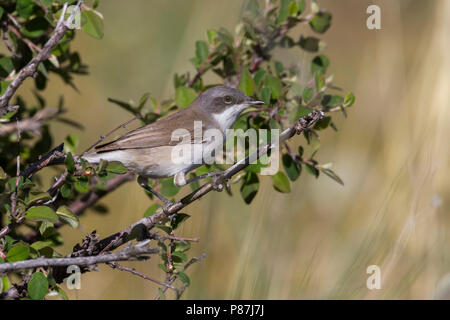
(156, 134)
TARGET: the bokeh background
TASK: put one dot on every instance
(316, 242)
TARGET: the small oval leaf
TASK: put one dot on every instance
(38, 286)
(41, 213)
(281, 182)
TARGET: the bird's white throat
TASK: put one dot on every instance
(226, 118)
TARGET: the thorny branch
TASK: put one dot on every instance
(130, 253)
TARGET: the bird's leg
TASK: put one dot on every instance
(203, 176)
(143, 182)
(218, 182)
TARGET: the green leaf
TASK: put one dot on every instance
(24, 8)
(38, 245)
(246, 84)
(70, 163)
(281, 183)
(62, 294)
(319, 81)
(194, 184)
(275, 85)
(349, 100)
(116, 167)
(18, 253)
(93, 25)
(183, 277)
(323, 123)
(291, 168)
(332, 100)
(308, 93)
(293, 8)
(66, 190)
(320, 64)
(151, 210)
(67, 216)
(284, 10)
(125, 105)
(178, 219)
(279, 68)
(312, 169)
(38, 286)
(212, 34)
(321, 22)
(143, 100)
(35, 196)
(201, 51)
(71, 143)
(41, 213)
(333, 175)
(310, 44)
(5, 284)
(181, 246)
(168, 188)
(266, 94)
(301, 6)
(3, 174)
(46, 229)
(249, 187)
(81, 186)
(164, 228)
(6, 67)
(3, 86)
(259, 76)
(184, 96)
(179, 255)
(35, 27)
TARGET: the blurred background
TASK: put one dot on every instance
(316, 242)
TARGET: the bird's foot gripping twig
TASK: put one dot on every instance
(203, 176)
(143, 182)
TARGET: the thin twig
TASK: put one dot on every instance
(171, 277)
(30, 124)
(55, 153)
(115, 265)
(129, 253)
(172, 237)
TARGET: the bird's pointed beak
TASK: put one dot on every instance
(255, 102)
(251, 105)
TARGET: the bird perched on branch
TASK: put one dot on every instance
(149, 151)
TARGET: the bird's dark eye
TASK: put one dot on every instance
(228, 99)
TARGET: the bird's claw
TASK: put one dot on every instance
(218, 183)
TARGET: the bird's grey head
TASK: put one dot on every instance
(225, 104)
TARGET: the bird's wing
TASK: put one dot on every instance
(153, 135)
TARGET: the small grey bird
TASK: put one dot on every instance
(147, 151)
